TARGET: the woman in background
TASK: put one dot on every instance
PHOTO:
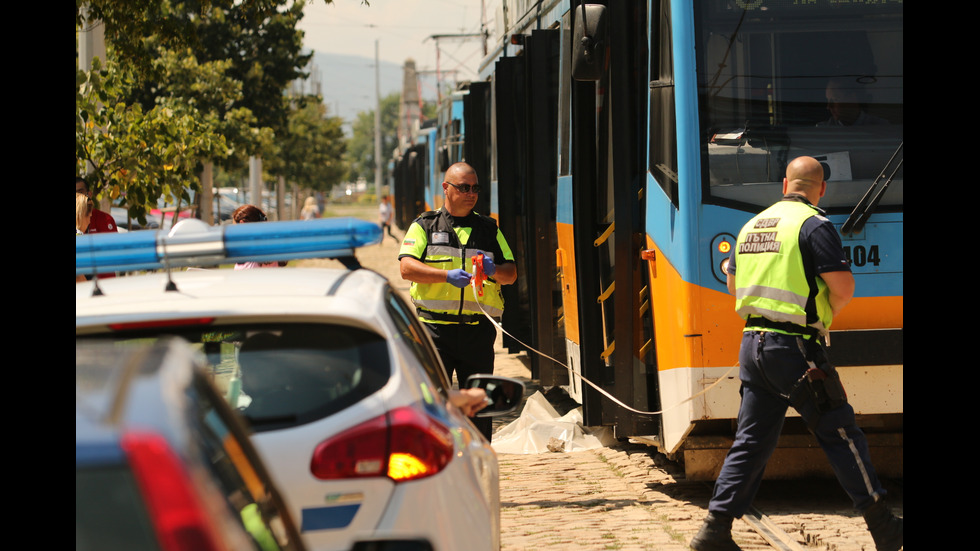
(83, 216)
(310, 210)
(83, 212)
(247, 214)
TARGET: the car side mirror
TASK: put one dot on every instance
(504, 394)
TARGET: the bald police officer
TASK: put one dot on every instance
(790, 278)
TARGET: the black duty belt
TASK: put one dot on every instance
(781, 326)
(455, 318)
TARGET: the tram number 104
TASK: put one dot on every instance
(860, 255)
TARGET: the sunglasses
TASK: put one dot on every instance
(465, 188)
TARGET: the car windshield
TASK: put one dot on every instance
(283, 375)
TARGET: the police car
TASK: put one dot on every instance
(338, 381)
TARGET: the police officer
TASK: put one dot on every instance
(437, 257)
(790, 278)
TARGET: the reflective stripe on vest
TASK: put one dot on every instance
(770, 280)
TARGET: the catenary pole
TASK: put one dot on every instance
(377, 122)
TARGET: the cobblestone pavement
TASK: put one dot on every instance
(604, 498)
(628, 497)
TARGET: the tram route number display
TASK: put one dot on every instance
(859, 255)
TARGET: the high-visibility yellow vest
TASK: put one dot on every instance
(770, 281)
(449, 248)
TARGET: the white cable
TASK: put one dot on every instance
(572, 375)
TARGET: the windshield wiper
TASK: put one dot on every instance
(855, 222)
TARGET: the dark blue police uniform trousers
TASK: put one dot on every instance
(770, 365)
(466, 349)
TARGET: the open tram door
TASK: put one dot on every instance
(409, 185)
(522, 187)
(600, 216)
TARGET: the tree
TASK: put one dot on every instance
(360, 149)
(254, 43)
(265, 51)
(311, 153)
(214, 67)
(139, 154)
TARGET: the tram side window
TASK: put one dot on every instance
(493, 129)
(662, 156)
(565, 99)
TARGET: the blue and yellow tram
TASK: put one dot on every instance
(626, 143)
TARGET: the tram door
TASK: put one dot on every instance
(613, 298)
(409, 184)
(525, 114)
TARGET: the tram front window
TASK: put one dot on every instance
(778, 79)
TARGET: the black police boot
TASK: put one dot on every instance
(886, 529)
(715, 534)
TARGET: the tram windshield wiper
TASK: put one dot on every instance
(855, 222)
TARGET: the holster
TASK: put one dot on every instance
(821, 383)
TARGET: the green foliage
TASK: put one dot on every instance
(312, 149)
(136, 154)
(260, 41)
(217, 95)
(203, 82)
(360, 151)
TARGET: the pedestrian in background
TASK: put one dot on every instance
(310, 209)
(249, 214)
(437, 257)
(100, 222)
(83, 213)
(386, 216)
(790, 277)
(83, 216)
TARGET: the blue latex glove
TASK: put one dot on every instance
(489, 268)
(458, 278)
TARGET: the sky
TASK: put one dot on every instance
(403, 29)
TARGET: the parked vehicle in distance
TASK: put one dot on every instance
(162, 461)
(125, 223)
(346, 396)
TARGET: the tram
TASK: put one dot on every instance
(414, 170)
(625, 143)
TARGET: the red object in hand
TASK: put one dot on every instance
(478, 276)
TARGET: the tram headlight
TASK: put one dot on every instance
(721, 250)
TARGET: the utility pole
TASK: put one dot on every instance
(91, 42)
(437, 38)
(377, 122)
(91, 45)
(483, 25)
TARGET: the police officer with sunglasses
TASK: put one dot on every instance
(437, 257)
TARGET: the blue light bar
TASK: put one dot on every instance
(194, 243)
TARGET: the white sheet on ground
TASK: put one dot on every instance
(540, 429)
